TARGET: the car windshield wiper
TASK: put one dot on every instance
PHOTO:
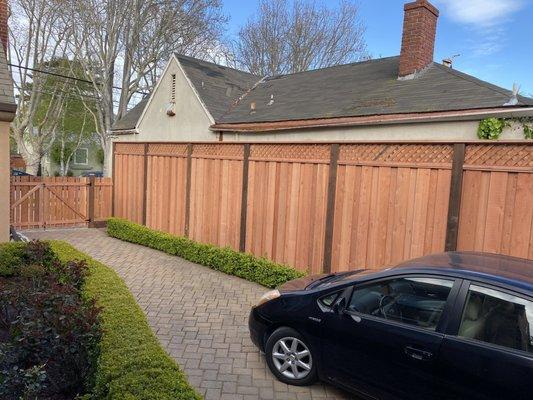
(320, 281)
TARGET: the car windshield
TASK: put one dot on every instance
(334, 278)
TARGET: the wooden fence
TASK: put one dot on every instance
(59, 202)
(332, 207)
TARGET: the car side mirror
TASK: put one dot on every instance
(339, 306)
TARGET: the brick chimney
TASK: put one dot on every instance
(4, 15)
(418, 41)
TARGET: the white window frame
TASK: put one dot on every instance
(86, 150)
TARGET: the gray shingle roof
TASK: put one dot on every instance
(7, 98)
(129, 121)
(218, 86)
(351, 90)
(363, 89)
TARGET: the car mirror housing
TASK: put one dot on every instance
(339, 306)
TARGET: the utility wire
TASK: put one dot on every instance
(67, 77)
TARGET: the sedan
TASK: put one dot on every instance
(456, 325)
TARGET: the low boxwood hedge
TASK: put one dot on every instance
(132, 364)
(243, 265)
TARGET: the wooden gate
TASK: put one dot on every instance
(59, 202)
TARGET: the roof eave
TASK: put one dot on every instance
(7, 112)
(122, 132)
(382, 119)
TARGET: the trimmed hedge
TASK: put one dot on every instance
(132, 364)
(243, 265)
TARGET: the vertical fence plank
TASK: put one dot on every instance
(145, 183)
(188, 190)
(91, 202)
(330, 210)
(244, 197)
(454, 205)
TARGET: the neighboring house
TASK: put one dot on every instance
(408, 97)
(7, 114)
(87, 158)
(17, 162)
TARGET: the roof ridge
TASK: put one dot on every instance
(473, 79)
(179, 55)
(334, 66)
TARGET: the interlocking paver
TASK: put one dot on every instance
(199, 315)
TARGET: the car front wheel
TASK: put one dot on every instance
(290, 358)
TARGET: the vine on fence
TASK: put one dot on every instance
(492, 128)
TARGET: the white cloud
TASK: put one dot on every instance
(481, 13)
(487, 21)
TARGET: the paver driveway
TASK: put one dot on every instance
(199, 315)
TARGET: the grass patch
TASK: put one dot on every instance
(132, 364)
(243, 265)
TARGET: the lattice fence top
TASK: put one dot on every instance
(396, 153)
(291, 152)
(170, 149)
(499, 155)
(218, 150)
(129, 148)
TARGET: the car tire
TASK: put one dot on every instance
(290, 358)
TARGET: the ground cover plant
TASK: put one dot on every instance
(49, 333)
(243, 265)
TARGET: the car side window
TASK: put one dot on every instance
(498, 318)
(417, 301)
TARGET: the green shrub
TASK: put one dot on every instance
(243, 265)
(11, 258)
(49, 333)
(16, 255)
(132, 364)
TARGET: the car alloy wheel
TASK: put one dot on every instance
(292, 358)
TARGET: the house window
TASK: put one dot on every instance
(81, 156)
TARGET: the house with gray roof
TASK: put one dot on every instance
(8, 108)
(408, 97)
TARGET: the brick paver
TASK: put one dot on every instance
(199, 315)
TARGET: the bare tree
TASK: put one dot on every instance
(284, 38)
(37, 36)
(123, 45)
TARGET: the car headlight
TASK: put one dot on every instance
(268, 296)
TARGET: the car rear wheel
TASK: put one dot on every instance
(290, 358)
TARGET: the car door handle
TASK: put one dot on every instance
(418, 354)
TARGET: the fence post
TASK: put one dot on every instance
(454, 205)
(188, 189)
(145, 184)
(330, 212)
(244, 197)
(91, 202)
(113, 167)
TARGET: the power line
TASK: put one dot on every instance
(67, 77)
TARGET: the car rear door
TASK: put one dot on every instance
(386, 341)
(488, 353)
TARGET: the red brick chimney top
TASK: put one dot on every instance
(418, 41)
(4, 15)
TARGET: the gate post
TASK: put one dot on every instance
(91, 202)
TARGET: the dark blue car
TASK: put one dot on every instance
(449, 326)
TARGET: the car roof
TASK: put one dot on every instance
(496, 268)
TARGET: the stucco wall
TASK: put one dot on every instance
(191, 121)
(462, 130)
(4, 181)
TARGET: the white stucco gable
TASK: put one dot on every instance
(191, 120)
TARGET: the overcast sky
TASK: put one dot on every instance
(494, 37)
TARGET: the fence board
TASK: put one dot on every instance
(390, 201)
(57, 201)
